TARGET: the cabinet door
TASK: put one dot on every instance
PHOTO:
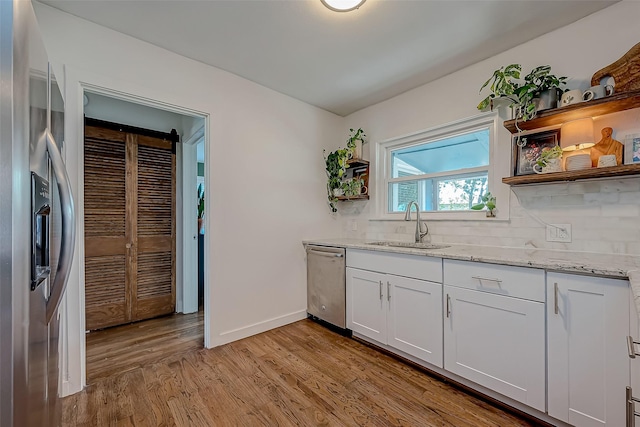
(588, 364)
(634, 326)
(415, 317)
(496, 341)
(367, 304)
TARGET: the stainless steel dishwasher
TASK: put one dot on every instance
(326, 289)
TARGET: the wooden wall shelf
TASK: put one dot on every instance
(598, 107)
(610, 172)
(357, 167)
(361, 197)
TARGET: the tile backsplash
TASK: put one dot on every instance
(604, 217)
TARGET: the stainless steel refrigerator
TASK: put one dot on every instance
(37, 226)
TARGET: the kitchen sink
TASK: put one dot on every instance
(409, 245)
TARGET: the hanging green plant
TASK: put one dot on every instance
(336, 167)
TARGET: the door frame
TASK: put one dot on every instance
(188, 301)
(72, 334)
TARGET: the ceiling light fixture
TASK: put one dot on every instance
(342, 5)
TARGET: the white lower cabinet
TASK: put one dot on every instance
(634, 354)
(397, 311)
(486, 323)
(400, 312)
(493, 336)
(497, 342)
(588, 362)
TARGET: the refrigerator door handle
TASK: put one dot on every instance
(68, 234)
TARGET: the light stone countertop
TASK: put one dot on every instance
(606, 265)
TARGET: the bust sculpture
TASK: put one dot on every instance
(607, 145)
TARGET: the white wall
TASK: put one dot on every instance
(127, 113)
(603, 214)
(265, 174)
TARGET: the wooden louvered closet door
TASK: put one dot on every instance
(129, 227)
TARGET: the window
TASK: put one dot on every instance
(444, 170)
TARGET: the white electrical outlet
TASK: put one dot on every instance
(354, 225)
(559, 233)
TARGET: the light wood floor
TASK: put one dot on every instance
(298, 375)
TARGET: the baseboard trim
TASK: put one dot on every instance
(257, 328)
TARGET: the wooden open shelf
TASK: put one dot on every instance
(598, 107)
(360, 197)
(610, 172)
(360, 167)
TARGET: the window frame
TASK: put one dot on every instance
(382, 163)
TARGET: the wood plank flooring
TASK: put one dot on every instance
(115, 350)
(298, 375)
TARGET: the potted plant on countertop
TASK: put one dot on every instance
(488, 201)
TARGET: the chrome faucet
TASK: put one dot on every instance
(407, 217)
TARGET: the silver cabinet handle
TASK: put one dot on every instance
(555, 298)
(631, 408)
(328, 254)
(631, 348)
(388, 291)
(380, 289)
(487, 279)
(68, 232)
(448, 305)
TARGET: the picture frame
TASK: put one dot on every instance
(632, 148)
(527, 149)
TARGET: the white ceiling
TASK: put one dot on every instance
(340, 62)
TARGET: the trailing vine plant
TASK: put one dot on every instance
(336, 167)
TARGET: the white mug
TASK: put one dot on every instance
(607, 160)
(571, 97)
(598, 91)
(553, 165)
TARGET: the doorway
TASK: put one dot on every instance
(129, 217)
(161, 290)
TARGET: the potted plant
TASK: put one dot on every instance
(540, 91)
(200, 208)
(502, 86)
(353, 187)
(355, 142)
(336, 167)
(488, 201)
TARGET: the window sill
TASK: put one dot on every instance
(444, 216)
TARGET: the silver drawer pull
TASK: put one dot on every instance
(329, 254)
(388, 291)
(631, 408)
(486, 279)
(555, 298)
(380, 289)
(631, 347)
(448, 305)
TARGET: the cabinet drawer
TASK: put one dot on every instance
(414, 266)
(518, 282)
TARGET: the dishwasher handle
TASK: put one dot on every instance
(327, 254)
